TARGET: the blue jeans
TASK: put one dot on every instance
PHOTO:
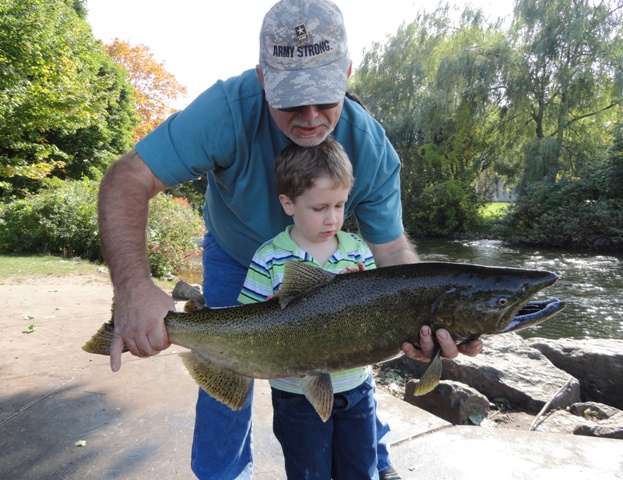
(342, 448)
(222, 442)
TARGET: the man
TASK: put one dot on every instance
(233, 131)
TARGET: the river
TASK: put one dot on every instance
(591, 283)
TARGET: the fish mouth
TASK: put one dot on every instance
(533, 313)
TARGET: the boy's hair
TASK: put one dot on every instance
(297, 167)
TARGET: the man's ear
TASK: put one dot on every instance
(287, 204)
(260, 75)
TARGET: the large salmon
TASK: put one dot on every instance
(323, 322)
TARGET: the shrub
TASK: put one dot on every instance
(567, 214)
(61, 219)
(446, 208)
(171, 225)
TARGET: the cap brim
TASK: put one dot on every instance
(313, 86)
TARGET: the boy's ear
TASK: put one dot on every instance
(287, 204)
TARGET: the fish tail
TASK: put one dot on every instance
(100, 342)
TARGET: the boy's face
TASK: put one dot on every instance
(318, 213)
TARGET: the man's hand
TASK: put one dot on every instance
(139, 323)
(449, 349)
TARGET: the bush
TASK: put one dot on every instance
(61, 219)
(444, 209)
(171, 225)
(567, 214)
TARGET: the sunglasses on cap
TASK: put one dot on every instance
(301, 108)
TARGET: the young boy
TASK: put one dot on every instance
(314, 184)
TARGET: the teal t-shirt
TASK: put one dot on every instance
(229, 134)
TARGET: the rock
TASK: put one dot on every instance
(585, 418)
(509, 369)
(593, 410)
(609, 428)
(596, 363)
(185, 291)
(562, 421)
(454, 402)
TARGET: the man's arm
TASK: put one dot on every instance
(401, 251)
(396, 252)
(139, 305)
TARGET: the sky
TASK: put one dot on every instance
(202, 41)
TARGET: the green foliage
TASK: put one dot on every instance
(571, 214)
(450, 208)
(565, 83)
(431, 87)
(66, 109)
(61, 219)
(171, 225)
(530, 103)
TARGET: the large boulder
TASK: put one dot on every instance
(596, 363)
(455, 402)
(509, 369)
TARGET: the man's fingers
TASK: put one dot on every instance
(471, 349)
(448, 347)
(414, 353)
(116, 348)
(427, 343)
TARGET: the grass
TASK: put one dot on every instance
(494, 209)
(47, 265)
(31, 265)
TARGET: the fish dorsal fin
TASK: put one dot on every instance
(318, 389)
(299, 277)
(225, 386)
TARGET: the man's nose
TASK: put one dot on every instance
(309, 112)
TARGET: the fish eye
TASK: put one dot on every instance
(503, 302)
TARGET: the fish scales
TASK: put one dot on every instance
(321, 332)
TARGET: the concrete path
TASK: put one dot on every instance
(138, 423)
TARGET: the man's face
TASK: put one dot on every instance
(307, 125)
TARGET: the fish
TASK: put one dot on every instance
(322, 322)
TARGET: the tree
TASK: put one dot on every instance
(66, 109)
(435, 89)
(565, 83)
(154, 87)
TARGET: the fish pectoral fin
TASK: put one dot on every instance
(224, 385)
(431, 376)
(318, 389)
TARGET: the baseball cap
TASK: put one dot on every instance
(304, 53)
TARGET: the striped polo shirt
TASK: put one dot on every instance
(264, 279)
